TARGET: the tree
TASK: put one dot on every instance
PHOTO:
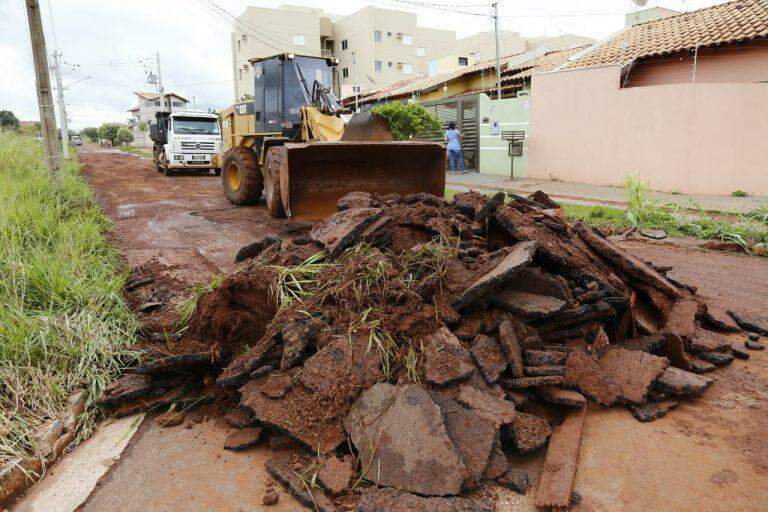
(408, 120)
(143, 126)
(109, 131)
(8, 120)
(124, 136)
(92, 133)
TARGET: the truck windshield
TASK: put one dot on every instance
(196, 125)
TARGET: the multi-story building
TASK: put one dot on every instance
(144, 112)
(375, 47)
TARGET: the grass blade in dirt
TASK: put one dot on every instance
(64, 325)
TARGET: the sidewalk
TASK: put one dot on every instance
(580, 193)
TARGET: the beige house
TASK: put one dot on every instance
(376, 46)
(144, 113)
(681, 100)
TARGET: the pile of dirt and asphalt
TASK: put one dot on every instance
(409, 345)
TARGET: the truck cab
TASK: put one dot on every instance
(185, 139)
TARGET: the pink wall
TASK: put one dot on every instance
(728, 63)
(703, 138)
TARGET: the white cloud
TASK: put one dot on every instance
(195, 50)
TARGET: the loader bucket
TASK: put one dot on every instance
(316, 175)
(367, 126)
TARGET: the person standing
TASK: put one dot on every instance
(453, 137)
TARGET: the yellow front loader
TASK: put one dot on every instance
(295, 143)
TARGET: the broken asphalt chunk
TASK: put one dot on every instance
(680, 382)
(511, 348)
(515, 479)
(488, 357)
(750, 322)
(529, 305)
(342, 229)
(615, 375)
(519, 256)
(242, 439)
(545, 358)
(402, 441)
(445, 360)
(336, 474)
(494, 409)
(560, 396)
(651, 411)
(528, 432)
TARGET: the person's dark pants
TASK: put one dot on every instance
(456, 153)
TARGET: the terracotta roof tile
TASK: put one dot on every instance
(729, 22)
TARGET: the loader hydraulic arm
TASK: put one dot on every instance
(320, 97)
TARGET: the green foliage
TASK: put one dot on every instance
(64, 325)
(8, 120)
(408, 120)
(124, 136)
(638, 203)
(739, 193)
(143, 126)
(92, 133)
(109, 131)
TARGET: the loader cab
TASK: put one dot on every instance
(278, 92)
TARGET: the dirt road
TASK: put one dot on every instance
(709, 454)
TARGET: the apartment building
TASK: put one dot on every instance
(384, 46)
(376, 46)
(289, 28)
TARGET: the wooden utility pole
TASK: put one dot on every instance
(43, 82)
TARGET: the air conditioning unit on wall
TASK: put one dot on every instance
(399, 64)
(399, 35)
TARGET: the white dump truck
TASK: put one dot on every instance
(186, 139)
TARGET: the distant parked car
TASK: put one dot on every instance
(76, 140)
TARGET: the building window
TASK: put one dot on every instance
(157, 103)
(149, 103)
(389, 64)
(344, 44)
(245, 38)
(299, 40)
(463, 61)
(389, 34)
(238, 45)
(407, 69)
(178, 104)
(377, 36)
(240, 74)
(378, 65)
(421, 52)
(407, 39)
(345, 73)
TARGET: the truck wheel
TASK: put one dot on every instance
(241, 178)
(217, 171)
(167, 170)
(276, 158)
(156, 153)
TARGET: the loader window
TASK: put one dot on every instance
(195, 126)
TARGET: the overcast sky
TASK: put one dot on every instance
(106, 39)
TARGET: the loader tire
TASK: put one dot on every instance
(276, 159)
(241, 177)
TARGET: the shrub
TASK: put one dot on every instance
(408, 120)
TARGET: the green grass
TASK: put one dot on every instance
(135, 151)
(63, 323)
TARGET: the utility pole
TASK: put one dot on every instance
(43, 83)
(62, 107)
(498, 66)
(59, 89)
(357, 88)
(160, 84)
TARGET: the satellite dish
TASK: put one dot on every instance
(640, 3)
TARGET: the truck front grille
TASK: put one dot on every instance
(203, 147)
